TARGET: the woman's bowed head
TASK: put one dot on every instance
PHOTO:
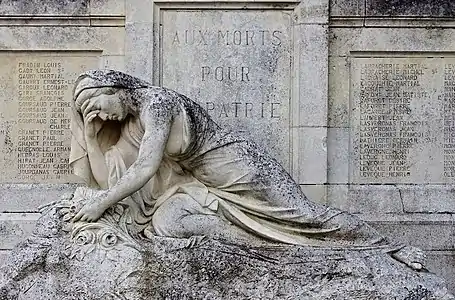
(160, 154)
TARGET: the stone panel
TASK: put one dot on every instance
(337, 155)
(309, 152)
(237, 65)
(139, 50)
(315, 192)
(403, 120)
(28, 197)
(345, 40)
(35, 101)
(110, 40)
(428, 198)
(370, 199)
(37, 7)
(421, 8)
(312, 76)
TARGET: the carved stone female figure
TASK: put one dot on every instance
(183, 175)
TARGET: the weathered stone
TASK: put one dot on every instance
(237, 66)
(402, 120)
(338, 155)
(107, 7)
(14, 227)
(368, 199)
(310, 155)
(338, 92)
(105, 265)
(347, 8)
(425, 8)
(311, 108)
(37, 7)
(312, 12)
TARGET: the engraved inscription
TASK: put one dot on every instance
(35, 123)
(402, 120)
(237, 64)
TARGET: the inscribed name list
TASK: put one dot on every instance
(237, 65)
(403, 120)
(35, 99)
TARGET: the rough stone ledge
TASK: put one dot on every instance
(103, 264)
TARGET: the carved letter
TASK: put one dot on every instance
(237, 39)
(249, 37)
(236, 108)
(272, 110)
(277, 41)
(248, 108)
(219, 73)
(205, 72)
(176, 39)
(224, 37)
(245, 72)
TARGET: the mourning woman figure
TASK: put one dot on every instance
(182, 175)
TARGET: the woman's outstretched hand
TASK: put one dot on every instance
(92, 210)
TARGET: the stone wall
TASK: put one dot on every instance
(302, 78)
(390, 120)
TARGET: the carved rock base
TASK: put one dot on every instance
(100, 265)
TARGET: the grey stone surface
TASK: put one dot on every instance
(29, 197)
(37, 7)
(139, 49)
(338, 91)
(312, 43)
(378, 200)
(309, 150)
(315, 192)
(442, 263)
(313, 12)
(347, 8)
(100, 262)
(421, 8)
(343, 41)
(110, 40)
(427, 232)
(237, 66)
(139, 11)
(338, 155)
(401, 120)
(108, 7)
(15, 227)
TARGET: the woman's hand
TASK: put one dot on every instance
(92, 210)
(93, 124)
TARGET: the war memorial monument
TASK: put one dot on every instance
(227, 149)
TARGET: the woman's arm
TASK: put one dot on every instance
(157, 124)
(95, 155)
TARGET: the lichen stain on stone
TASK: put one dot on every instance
(434, 8)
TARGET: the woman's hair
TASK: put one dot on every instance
(89, 93)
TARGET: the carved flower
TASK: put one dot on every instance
(108, 239)
(84, 238)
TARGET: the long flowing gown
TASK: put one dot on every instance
(225, 174)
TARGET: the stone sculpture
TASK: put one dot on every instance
(159, 172)
(182, 175)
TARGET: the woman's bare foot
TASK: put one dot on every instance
(411, 256)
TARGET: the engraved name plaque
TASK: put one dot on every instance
(35, 96)
(403, 120)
